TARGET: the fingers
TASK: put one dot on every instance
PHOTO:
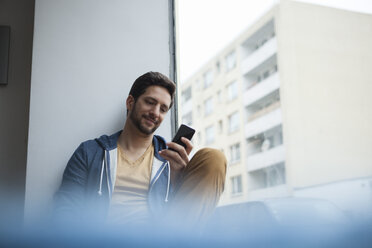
(188, 144)
(178, 158)
(179, 149)
(175, 159)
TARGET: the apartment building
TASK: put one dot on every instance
(287, 102)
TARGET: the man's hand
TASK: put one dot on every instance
(179, 158)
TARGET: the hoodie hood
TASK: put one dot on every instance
(109, 143)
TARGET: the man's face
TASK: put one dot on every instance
(149, 110)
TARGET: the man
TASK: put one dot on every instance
(131, 177)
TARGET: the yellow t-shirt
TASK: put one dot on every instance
(129, 198)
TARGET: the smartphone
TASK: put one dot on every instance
(183, 131)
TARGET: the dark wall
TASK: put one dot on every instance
(14, 107)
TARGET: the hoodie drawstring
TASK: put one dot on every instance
(101, 178)
(166, 196)
(107, 175)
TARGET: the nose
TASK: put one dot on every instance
(155, 111)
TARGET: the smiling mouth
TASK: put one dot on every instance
(149, 120)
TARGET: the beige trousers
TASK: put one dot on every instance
(199, 187)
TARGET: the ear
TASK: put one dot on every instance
(130, 102)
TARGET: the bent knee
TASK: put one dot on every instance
(212, 160)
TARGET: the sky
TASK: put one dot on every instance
(205, 27)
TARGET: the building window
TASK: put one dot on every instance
(198, 135)
(262, 75)
(219, 96)
(232, 90)
(273, 69)
(218, 66)
(266, 74)
(208, 106)
(208, 78)
(234, 122)
(236, 185)
(198, 85)
(186, 94)
(235, 153)
(259, 78)
(187, 119)
(230, 60)
(209, 135)
(220, 126)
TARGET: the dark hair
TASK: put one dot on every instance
(152, 79)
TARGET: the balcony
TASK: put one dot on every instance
(261, 89)
(187, 107)
(263, 111)
(265, 159)
(259, 56)
(263, 123)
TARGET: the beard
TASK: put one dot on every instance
(136, 119)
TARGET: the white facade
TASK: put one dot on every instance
(302, 103)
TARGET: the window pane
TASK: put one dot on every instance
(186, 94)
(230, 61)
(208, 78)
(236, 184)
(232, 90)
(187, 119)
(235, 153)
(219, 96)
(220, 126)
(209, 135)
(234, 122)
(208, 106)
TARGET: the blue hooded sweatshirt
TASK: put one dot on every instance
(89, 179)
